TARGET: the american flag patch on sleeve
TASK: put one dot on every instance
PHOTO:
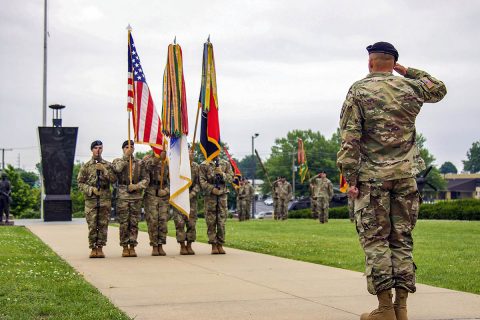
(427, 82)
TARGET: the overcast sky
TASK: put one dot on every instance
(281, 65)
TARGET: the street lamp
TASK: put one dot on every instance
(253, 178)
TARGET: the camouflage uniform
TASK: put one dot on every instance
(313, 202)
(242, 202)
(96, 216)
(284, 196)
(181, 221)
(215, 205)
(276, 208)
(250, 196)
(322, 193)
(156, 205)
(129, 204)
(379, 156)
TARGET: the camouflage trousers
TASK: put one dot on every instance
(323, 204)
(242, 209)
(314, 206)
(97, 230)
(351, 210)
(275, 209)
(248, 210)
(190, 223)
(282, 209)
(156, 214)
(216, 225)
(385, 215)
(128, 211)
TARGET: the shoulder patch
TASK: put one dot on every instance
(427, 82)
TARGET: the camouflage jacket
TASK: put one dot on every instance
(139, 176)
(321, 188)
(207, 176)
(87, 179)
(284, 190)
(249, 191)
(377, 125)
(195, 187)
(157, 180)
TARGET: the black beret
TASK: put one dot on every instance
(383, 47)
(323, 171)
(96, 143)
(125, 143)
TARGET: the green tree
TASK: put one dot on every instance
(30, 178)
(247, 166)
(25, 199)
(434, 177)
(448, 167)
(472, 164)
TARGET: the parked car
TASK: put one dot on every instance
(268, 201)
(339, 199)
(264, 215)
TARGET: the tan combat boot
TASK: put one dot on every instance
(214, 249)
(100, 253)
(155, 251)
(400, 304)
(183, 249)
(132, 251)
(220, 249)
(125, 252)
(161, 251)
(189, 248)
(385, 308)
(93, 254)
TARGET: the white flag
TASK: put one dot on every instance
(180, 174)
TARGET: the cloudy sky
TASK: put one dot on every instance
(281, 65)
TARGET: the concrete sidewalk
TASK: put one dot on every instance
(238, 285)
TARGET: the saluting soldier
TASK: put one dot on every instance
(284, 196)
(94, 180)
(322, 193)
(156, 203)
(249, 197)
(379, 158)
(214, 177)
(129, 203)
(186, 237)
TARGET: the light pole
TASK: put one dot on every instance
(254, 204)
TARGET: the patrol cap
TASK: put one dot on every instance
(322, 171)
(4, 174)
(125, 143)
(96, 143)
(383, 47)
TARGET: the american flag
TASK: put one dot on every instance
(146, 122)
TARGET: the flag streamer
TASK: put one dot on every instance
(343, 184)
(302, 161)
(236, 171)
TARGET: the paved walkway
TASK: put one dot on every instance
(238, 285)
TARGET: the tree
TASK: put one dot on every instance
(472, 164)
(30, 178)
(448, 167)
(434, 177)
(247, 166)
(25, 199)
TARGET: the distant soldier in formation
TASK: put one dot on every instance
(186, 237)
(242, 200)
(94, 180)
(5, 190)
(249, 197)
(284, 191)
(214, 178)
(380, 159)
(276, 208)
(322, 193)
(313, 201)
(155, 201)
(129, 204)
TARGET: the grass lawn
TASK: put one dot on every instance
(37, 284)
(447, 253)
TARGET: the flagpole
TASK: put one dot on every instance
(129, 29)
(196, 124)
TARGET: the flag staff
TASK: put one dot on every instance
(129, 30)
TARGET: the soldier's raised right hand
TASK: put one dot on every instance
(216, 191)
(95, 191)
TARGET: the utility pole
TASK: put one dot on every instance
(3, 156)
(254, 202)
(45, 35)
(294, 169)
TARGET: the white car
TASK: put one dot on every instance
(264, 215)
(268, 201)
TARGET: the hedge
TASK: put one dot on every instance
(466, 209)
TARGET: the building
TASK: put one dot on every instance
(461, 186)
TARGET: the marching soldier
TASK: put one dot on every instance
(189, 235)
(276, 208)
(214, 178)
(129, 203)
(380, 159)
(284, 196)
(156, 203)
(94, 180)
(242, 201)
(322, 193)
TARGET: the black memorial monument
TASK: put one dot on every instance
(57, 145)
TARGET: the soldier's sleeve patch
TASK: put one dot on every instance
(427, 82)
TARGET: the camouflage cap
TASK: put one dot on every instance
(383, 47)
